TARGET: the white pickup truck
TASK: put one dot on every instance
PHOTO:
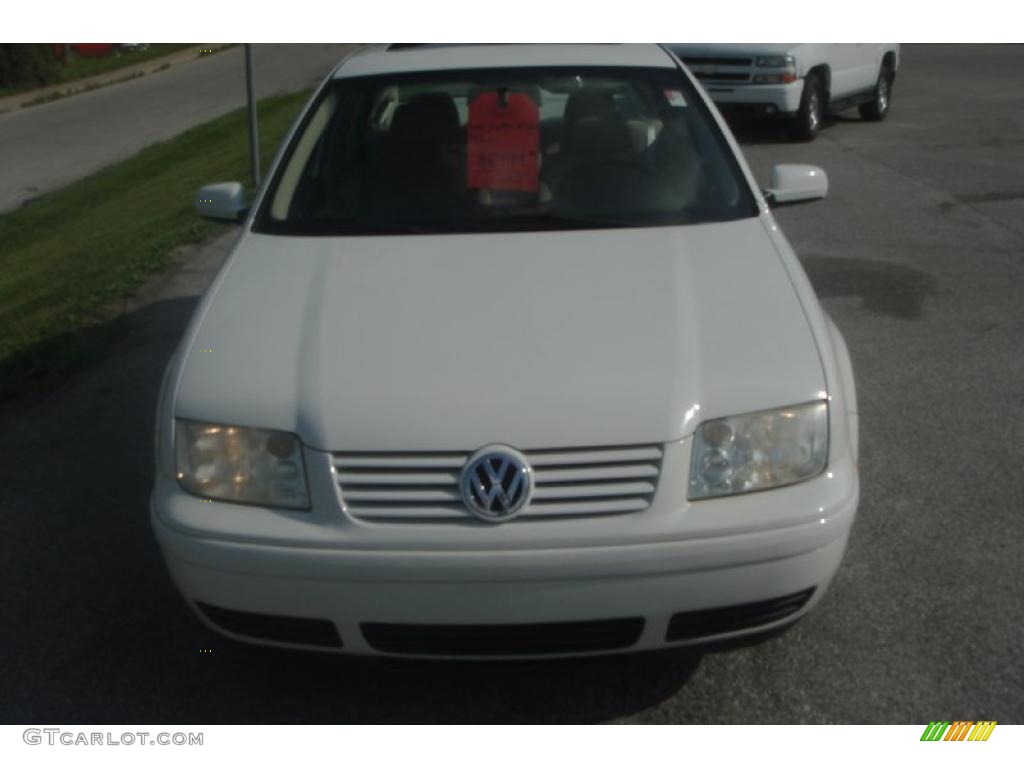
(796, 81)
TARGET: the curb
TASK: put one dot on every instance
(51, 93)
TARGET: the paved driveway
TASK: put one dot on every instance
(51, 145)
(918, 253)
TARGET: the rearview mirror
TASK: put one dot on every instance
(796, 184)
(222, 202)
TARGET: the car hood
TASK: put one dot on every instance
(534, 339)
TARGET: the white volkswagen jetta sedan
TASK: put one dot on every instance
(510, 359)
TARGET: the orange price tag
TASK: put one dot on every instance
(503, 142)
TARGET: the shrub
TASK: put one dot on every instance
(23, 65)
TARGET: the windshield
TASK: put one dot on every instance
(505, 150)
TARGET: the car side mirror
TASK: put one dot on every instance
(222, 202)
(796, 184)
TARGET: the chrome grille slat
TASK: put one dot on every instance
(413, 495)
(382, 478)
(573, 491)
(424, 513)
(614, 472)
(600, 456)
(391, 461)
(587, 507)
(423, 487)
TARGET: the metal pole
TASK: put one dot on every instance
(254, 141)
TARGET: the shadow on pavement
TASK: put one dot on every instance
(94, 631)
(753, 131)
(890, 289)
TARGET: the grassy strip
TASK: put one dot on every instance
(67, 256)
(80, 67)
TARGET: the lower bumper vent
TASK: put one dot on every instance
(717, 621)
(284, 629)
(503, 639)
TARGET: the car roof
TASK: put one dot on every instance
(398, 57)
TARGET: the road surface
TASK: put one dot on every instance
(48, 146)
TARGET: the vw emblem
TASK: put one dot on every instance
(496, 483)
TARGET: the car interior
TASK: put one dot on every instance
(601, 149)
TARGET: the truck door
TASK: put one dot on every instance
(867, 61)
(844, 59)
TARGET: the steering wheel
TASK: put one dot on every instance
(610, 186)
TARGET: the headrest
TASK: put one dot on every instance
(427, 118)
(589, 102)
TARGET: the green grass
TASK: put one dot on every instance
(67, 256)
(80, 67)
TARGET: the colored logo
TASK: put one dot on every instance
(958, 730)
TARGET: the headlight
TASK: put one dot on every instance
(252, 466)
(774, 61)
(760, 450)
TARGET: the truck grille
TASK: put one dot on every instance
(719, 69)
(721, 61)
(722, 77)
(405, 487)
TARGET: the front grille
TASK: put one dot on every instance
(730, 77)
(567, 482)
(708, 69)
(504, 639)
(717, 621)
(284, 629)
(720, 61)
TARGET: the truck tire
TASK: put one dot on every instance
(876, 109)
(807, 123)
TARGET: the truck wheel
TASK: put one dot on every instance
(876, 109)
(807, 122)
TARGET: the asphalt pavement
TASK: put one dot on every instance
(100, 127)
(918, 254)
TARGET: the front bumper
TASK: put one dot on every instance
(240, 586)
(760, 99)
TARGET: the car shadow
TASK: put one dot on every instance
(754, 131)
(95, 631)
(324, 688)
